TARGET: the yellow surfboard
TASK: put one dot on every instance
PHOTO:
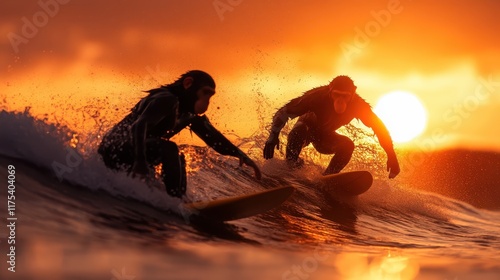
(239, 207)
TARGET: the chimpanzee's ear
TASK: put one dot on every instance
(187, 82)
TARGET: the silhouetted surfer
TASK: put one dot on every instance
(322, 111)
(141, 140)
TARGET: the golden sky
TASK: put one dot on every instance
(60, 56)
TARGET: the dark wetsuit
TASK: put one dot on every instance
(117, 149)
(318, 123)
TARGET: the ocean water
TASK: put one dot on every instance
(77, 220)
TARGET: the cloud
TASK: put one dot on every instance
(279, 48)
(173, 31)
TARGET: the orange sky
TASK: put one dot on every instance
(263, 51)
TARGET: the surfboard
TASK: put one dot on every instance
(347, 183)
(239, 207)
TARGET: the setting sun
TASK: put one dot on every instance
(403, 114)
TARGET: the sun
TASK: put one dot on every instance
(403, 114)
